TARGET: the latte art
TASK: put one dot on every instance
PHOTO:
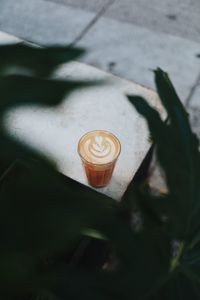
(99, 147)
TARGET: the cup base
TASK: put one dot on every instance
(99, 186)
(98, 177)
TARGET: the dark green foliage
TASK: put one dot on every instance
(35, 60)
(178, 154)
(45, 217)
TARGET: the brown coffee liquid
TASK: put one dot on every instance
(99, 151)
(99, 177)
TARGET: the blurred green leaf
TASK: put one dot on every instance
(168, 151)
(179, 121)
(182, 179)
(40, 196)
(41, 61)
(41, 215)
(17, 90)
(93, 233)
(178, 154)
(28, 219)
(12, 150)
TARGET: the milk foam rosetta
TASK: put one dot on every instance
(99, 147)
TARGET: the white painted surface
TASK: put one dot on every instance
(56, 131)
(8, 39)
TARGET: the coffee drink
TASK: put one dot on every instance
(99, 151)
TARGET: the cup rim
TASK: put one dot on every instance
(99, 164)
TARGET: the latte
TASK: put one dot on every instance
(99, 147)
(99, 151)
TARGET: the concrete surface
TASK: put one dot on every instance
(145, 34)
(70, 21)
(134, 51)
(43, 22)
(93, 5)
(179, 18)
(56, 131)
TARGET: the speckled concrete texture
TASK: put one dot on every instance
(127, 38)
(43, 22)
(174, 17)
(135, 52)
(93, 5)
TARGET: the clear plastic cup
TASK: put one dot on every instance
(99, 151)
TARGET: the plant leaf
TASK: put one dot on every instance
(39, 61)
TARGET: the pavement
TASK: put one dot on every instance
(128, 38)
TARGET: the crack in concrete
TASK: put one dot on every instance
(92, 22)
(192, 91)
